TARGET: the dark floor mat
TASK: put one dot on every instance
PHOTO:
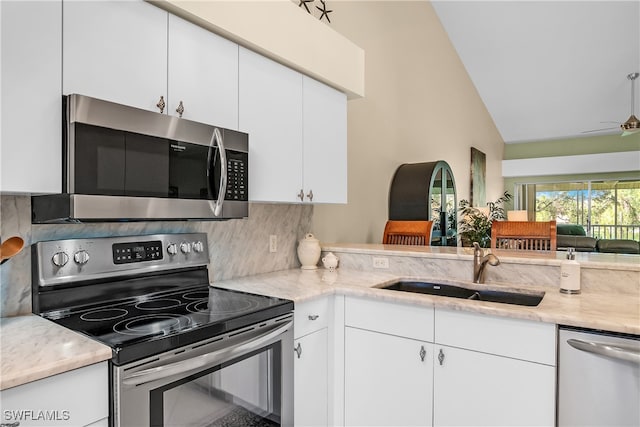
(241, 417)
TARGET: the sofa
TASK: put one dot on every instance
(574, 236)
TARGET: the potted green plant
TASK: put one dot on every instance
(475, 225)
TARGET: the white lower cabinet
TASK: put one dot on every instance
(407, 365)
(388, 363)
(312, 346)
(311, 380)
(76, 398)
(479, 389)
(388, 380)
(493, 371)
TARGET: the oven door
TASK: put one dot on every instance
(242, 378)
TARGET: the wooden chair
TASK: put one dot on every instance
(524, 235)
(407, 233)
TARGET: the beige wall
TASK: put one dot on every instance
(420, 106)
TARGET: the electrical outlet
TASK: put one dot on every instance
(273, 243)
(380, 262)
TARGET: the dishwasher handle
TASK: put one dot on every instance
(615, 351)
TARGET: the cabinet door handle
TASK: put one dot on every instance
(313, 316)
(161, 104)
(423, 353)
(310, 195)
(441, 357)
(301, 195)
(298, 350)
(180, 109)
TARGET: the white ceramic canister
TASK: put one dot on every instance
(330, 261)
(309, 252)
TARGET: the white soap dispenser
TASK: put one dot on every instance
(570, 274)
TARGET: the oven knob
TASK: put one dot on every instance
(172, 249)
(185, 247)
(198, 246)
(81, 257)
(59, 259)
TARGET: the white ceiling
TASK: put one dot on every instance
(549, 69)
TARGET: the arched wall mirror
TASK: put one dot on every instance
(426, 191)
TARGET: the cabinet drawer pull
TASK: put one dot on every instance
(298, 350)
(423, 353)
(180, 109)
(161, 104)
(441, 357)
(310, 195)
(301, 195)
(313, 316)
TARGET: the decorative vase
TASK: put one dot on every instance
(330, 261)
(309, 252)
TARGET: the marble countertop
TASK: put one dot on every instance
(32, 348)
(591, 309)
(595, 260)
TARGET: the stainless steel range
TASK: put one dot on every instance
(184, 353)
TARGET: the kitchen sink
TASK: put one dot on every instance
(530, 299)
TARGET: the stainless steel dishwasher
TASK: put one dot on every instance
(598, 378)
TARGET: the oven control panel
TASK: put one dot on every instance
(124, 253)
(62, 261)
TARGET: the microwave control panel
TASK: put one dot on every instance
(237, 176)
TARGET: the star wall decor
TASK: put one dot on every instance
(304, 3)
(324, 12)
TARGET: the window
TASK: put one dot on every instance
(606, 209)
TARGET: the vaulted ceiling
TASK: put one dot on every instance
(549, 69)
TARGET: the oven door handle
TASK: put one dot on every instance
(159, 372)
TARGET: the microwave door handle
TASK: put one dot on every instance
(217, 136)
(621, 352)
(159, 372)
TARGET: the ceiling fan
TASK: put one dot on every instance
(632, 125)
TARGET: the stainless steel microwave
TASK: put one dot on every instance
(124, 163)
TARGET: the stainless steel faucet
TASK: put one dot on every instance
(480, 262)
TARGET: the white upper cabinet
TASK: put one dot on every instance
(115, 50)
(325, 142)
(297, 134)
(30, 151)
(271, 113)
(203, 75)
